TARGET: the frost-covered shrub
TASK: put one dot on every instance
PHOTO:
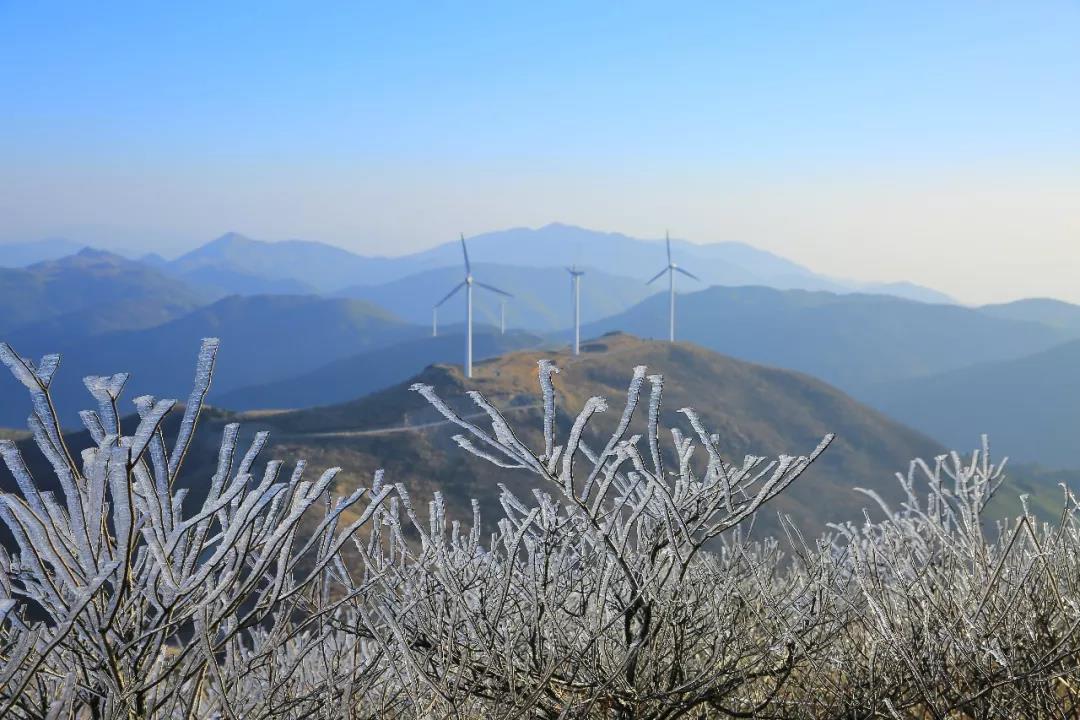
(122, 602)
(623, 587)
(945, 615)
(594, 597)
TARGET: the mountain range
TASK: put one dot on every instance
(88, 293)
(851, 340)
(21, 254)
(367, 372)
(718, 263)
(753, 409)
(1029, 406)
(267, 338)
(1047, 311)
(331, 326)
(528, 262)
(235, 264)
(541, 302)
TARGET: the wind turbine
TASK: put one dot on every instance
(671, 269)
(575, 283)
(467, 283)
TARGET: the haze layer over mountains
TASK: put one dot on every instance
(306, 324)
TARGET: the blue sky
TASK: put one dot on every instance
(875, 140)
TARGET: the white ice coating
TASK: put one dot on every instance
(119, 568)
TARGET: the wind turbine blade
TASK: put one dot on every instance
(493, 289)
(657, 276)
(667, 240)
(688, 274)
(450, 294)
(465, 252)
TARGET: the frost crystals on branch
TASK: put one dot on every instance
(120, 602)
(611, 602)
(622, 494)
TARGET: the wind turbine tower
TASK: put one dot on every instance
(575, 283)
(671, 269)
(467, 283)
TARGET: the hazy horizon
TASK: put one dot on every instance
(934, 144)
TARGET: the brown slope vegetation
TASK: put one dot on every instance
(754, 410)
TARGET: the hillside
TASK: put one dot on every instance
(367, 372)
(754, 409)
(88, 293)
(237, 265)
(1029, 406)
(542, 299)
(908, 291)
(850, 340)
(224, 281)
(1055, 313)
(266, 338)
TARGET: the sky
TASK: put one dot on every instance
(924, 141)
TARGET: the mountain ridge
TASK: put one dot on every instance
(541, 302)
(266, 338)
(1049, 311)
(22, 254)
(852, 340)
(755, 409)
(239, 260)
(89, 292)
(1029, 406)
(359, 375)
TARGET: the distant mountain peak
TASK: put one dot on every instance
(86, 258)
(566, 226)
(233, 237)
(24, 254)
(153, 259)
(64, 300)
(91, 252)
(229, 241)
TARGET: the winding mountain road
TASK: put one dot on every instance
(402, 428)
(437, 423)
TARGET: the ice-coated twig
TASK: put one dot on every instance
(121, 579)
